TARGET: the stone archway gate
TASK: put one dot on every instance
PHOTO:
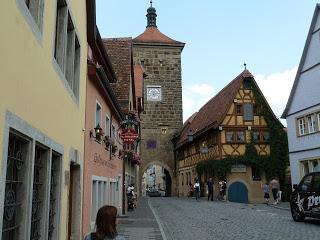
(144, 167)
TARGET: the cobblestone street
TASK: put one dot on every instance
(185, 219)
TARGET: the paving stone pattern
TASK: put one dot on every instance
(185, 219)
(141, 223)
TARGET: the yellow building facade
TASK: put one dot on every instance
(42, 102)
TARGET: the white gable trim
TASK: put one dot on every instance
(302, 60)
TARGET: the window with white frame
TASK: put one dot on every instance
(315, 165)
(311, 123)
(43, 186)
(54, 196)
(35, 8)
(67, 47)
(302, 126)
(235, 136)
(98, 114)
(312, 165)
(112, 193)
(114, 133)
(305, 167)
(98, 196)
(107, 126)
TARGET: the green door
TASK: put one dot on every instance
(238, 192)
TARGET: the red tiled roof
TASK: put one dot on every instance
(119, 51)
(153, 35)
(138, 80)
(213, 112)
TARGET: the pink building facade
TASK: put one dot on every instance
(103, 164)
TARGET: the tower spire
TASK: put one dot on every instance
(151, 16)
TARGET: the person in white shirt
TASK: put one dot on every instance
(197, 189)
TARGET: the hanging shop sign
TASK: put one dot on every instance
(129, 135)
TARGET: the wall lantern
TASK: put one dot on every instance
(249, 128)
(190, 135)
(220, 128)
(98, 133)
(161, 62)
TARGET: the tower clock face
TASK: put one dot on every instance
(154, 93)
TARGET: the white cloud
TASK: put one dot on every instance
(194, 97)
(276, 88)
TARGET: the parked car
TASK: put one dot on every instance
(305, 199)
(162, 192)
(153, 193)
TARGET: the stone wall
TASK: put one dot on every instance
(160, 120)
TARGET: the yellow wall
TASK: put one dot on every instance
(31, 88)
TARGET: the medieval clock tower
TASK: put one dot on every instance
(160, 56)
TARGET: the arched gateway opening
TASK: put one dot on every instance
(155, 180)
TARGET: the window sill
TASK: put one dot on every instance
(308, 134)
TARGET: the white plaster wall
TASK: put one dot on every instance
(317, 26)
(295, 158)
(304, 142)
(307, 92)
(313, 53)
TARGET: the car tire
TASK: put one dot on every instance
(297, 215)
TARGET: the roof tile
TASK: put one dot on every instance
(119, 52)
(214, 111)
(153, 35)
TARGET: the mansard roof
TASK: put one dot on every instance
(212, 114)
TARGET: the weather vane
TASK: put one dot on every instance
(245, 66)
(151, 3)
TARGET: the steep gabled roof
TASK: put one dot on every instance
(120, 52)
(302, 60)
(214, 111)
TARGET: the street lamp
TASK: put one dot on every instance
(98, 133)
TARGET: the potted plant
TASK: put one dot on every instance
(114, 148)
(107, 142)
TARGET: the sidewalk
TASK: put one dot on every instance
(141, 223)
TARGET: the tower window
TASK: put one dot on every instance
(247, 83)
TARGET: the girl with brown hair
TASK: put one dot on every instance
(106, 225)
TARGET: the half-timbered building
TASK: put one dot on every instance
(222, 128)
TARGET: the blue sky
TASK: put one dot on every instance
(269, 35)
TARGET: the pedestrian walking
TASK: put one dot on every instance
(223, 190)
(275, 186)
(191, 190)
(197, 189)
(106, 225)
(266, 191)
(210, 185)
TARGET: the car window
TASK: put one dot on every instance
(305, 185)
(316, 183)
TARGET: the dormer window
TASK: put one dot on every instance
(247, 83)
